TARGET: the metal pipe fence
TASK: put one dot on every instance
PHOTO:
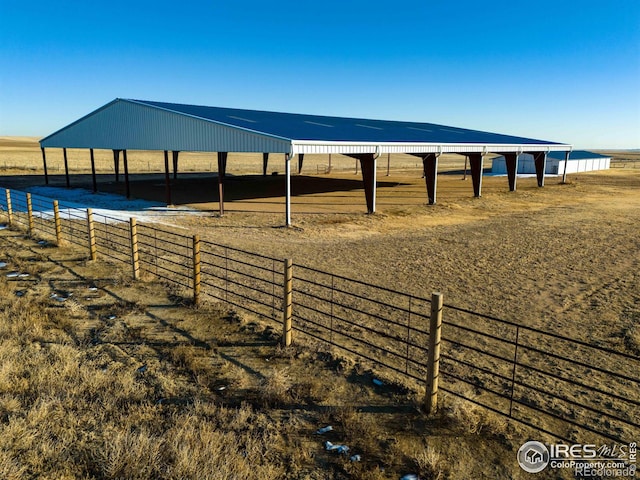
(167, 255)
(533, 373)
(112, 237)
(74, 225)
(553, 383)
(246, 280)
(19, 209)
(42, 210)
(380, 325)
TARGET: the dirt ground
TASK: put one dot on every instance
(564, 257)
(122, 367)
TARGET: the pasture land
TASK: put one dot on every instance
(102, 377)
(564, 258)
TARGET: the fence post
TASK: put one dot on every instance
(433, 355)
(9, 208)
(57, 223)
(135, 258)
(286, 302)
(92, 234)
(196, 269)
(30, 214)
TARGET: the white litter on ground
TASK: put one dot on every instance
(107, 207)
(3, 264)
(330, 447)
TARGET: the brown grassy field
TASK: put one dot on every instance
(563, 258)
(101, 377)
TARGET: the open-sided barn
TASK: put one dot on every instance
(123, 125)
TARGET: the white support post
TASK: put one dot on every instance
(566, 163)
(287, 160)
(375, 181)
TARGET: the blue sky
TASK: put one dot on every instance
(566, 71)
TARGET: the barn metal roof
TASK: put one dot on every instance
(149, 125)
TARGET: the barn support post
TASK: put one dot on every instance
(429, 173)
(66, 167)
(300, 162)
(176, 154)
(93, 171)
(287, 187)
(368, 168)
(476, 161)
(511, 160)
(126, 174)
(222, 170)
(430, 165)
(329, 171)
(287, 303)
(388, 163)
(167, 179)
(116, 164)
(44, 162)
(466, 162)
(433, 354)
(265, 163)
(540, 160)
(566, 163)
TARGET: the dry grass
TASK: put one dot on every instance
(430, 463)
(632, 338)
(82, 396)
(563, 258)
(72, 412)
(476, 420)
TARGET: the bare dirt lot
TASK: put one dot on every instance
(563, 258)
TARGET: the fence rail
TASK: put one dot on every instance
(386, 327)
(243, 279)
(550, 382)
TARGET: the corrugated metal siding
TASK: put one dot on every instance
(526, 165)
(358, 148)
(126, 125)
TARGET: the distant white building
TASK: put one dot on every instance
(579, 161)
